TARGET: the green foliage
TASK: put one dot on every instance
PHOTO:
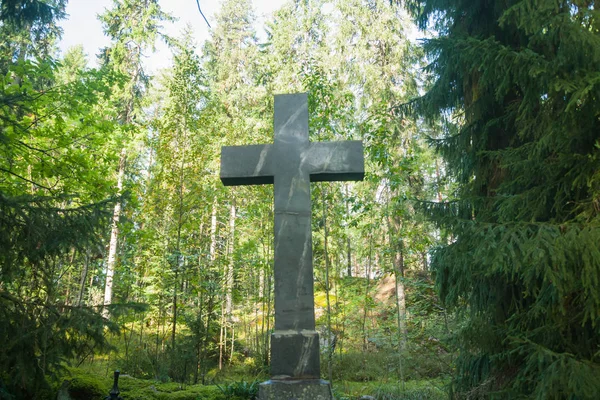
(50, 206)
(417, 390)
(29, 29)
(72, 137)
(240, 390)
(86, 386)
(53, 206)
(517, 86)
(134, 389)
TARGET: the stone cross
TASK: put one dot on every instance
(291, 163)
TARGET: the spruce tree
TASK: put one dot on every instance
(518, 86)
(52, 199)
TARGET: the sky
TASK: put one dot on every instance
(82, 26)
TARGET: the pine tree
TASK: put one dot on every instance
(518, 85)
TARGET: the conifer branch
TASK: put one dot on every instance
(25, 179)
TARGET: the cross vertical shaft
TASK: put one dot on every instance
(294, 299)
(291, 163)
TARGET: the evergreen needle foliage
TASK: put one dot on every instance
(53, 200)
(38, 331)
(518, 86)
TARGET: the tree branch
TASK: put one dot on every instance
(25, 179)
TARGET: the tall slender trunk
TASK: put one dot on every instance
(226, 314)
(397, 246)
(400, 293)
(209, 313)
(211, 295)
(213, 232)
(348, 242)
(221, 336)
(439, 181)
(126, 119)
(327, 288)
(179, 261)
(90, 287)
(84, 272)
(114, 236)
(174, 324)
(201, 343)
(268, 327)
(398, 263)
(229, 274)
(366, 298)
(232, 341)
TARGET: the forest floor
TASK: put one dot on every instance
(93, 386)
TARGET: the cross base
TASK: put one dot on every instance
(311, 389)
(295, 355)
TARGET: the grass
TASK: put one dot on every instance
(411, 390)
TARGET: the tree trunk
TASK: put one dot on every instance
(229, 274)
(174, 324)
(179, 260)
(348, 242)
(226, 314)
(232, 341)
(366, 299)
(114, 236)
(268, 327)
(327, 288)
(84, 272)
(400, 294)
(209, 313)
(439, 181)
(213, 231)
(221, 336)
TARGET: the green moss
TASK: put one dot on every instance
(88, 387)
(415, 389)
(138, 389)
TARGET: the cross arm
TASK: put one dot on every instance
(336, 161)
(246, 165)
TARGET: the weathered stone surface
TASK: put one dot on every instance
(295, 390)
(291, 163)
(246, 165)
(297, 354)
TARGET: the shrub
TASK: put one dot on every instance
(241, 390)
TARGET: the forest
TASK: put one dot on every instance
(466, 264)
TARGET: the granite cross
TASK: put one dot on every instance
(291, 163)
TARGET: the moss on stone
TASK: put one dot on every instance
(87, 387)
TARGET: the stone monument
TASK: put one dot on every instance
(290, 164)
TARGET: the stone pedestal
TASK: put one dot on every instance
(310, 389)
(295, 355)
